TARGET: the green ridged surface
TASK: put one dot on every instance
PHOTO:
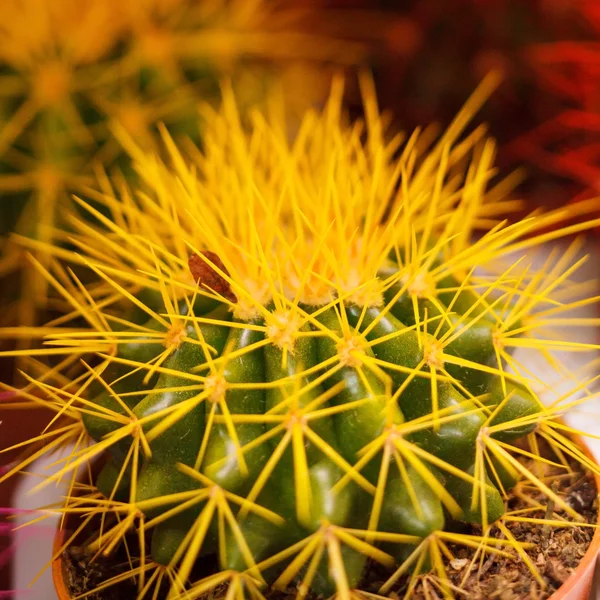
(467, 394)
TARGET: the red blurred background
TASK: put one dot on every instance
(546, 113)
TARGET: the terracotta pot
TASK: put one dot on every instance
(577, 587)
(58, 568)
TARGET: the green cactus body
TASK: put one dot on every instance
(357, 427)
(221, 462)
(347, 432)
(304, 356)
(121, 378)
(109, 481)
(518, 402)
(190, 428)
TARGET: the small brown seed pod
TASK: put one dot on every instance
(209, 278)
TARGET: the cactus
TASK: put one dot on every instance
(287, 360)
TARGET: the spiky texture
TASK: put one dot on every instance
(69, 70)
(297, 355)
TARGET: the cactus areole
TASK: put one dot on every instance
(296, 356)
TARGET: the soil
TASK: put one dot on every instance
(556, 552)
(84, 575)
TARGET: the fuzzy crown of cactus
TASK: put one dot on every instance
(294, 353)
(72, 69)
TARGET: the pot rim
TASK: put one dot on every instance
(590, 556)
